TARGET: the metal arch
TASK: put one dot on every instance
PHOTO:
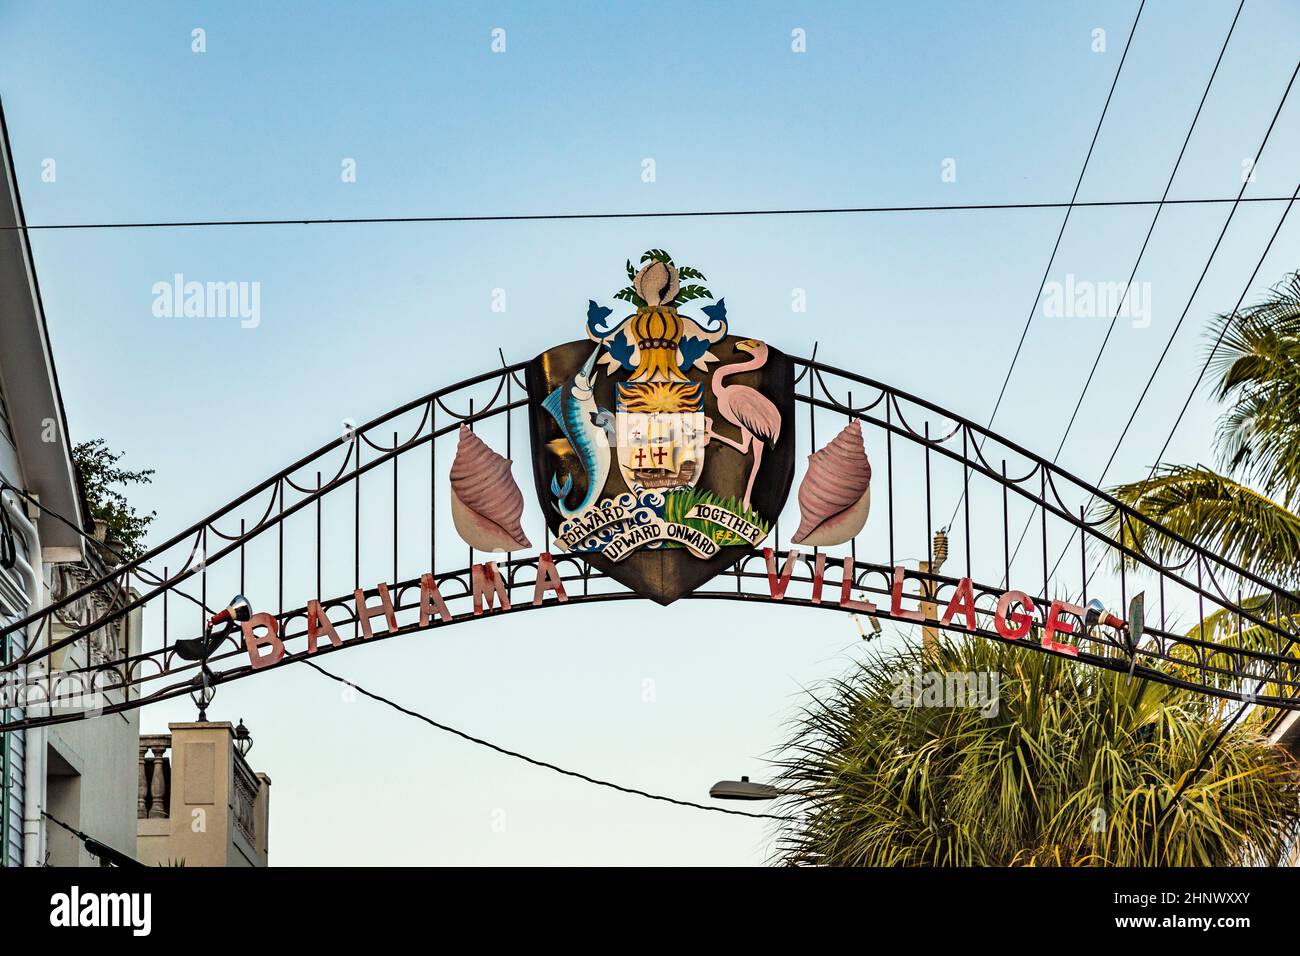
(268, 521)
(1188, 660)
(143, 671)
(1046, 468)
(273, 482)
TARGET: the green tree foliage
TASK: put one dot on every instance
(1079, 762)
(1247, 510)
(102, 480)
(1072, 770)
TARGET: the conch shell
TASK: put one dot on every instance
(835, 495)
(657, 283)
(485, 501)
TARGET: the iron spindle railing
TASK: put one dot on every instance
(896, 424)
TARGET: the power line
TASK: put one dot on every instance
(1163, 448)
(682, 214)
(533, 760)
(1150, 229)
(1222, 331)
(1133, 273)
(1205, 758)
(1209, 752)
(148, 575)
(97, 847)
(1051, 260)
(1186, 309)
(428, 720)
(1203, 762)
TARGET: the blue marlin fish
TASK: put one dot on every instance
(587, 427)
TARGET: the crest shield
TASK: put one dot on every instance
(663, 448)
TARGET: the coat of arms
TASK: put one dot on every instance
(663, 446)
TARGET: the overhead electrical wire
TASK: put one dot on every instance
(533, 760)
(1241, 711)
(1222, 331)
(679, 214)
(1138, 262)
(1155, 465)
(1205, 758)
(109, 855)
(1051, 260)
(633, 791)
(1186, 309)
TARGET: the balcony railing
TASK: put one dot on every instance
(244, 791)
(155, 789)
(154, 800)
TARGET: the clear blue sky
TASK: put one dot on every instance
(358, 319)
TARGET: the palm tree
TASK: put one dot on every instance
(1248, 511)
(1072, 769)
(1080, 762)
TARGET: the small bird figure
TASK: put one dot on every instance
(717, 313)
(596, 315)
(758, 419)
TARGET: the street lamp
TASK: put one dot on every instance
(200, 648)
(1131, 630)
(203, 692)
(234, 614)
(743, 789)
(243, 739)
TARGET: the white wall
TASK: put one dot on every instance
(13, 605)
(103, 753)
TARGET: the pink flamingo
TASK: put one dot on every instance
(757, 418)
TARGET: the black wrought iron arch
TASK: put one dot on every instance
(1222, 663)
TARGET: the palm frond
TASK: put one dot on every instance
(1252, 341)
(1072, 770)
(1230, 632)
(1257, 367)
(629, 294)
(1213, 511)
(689, 293)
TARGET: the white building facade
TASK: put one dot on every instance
(82, 773)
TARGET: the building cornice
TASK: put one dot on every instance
(28, 376)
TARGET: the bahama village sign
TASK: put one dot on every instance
(662, 453)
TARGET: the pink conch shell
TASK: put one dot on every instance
(485, 501)
(835, 495)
